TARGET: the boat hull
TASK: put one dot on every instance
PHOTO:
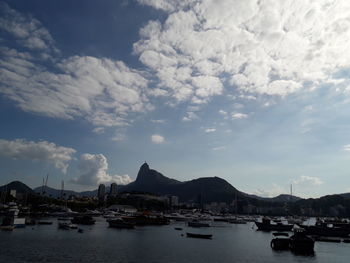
(272, 227)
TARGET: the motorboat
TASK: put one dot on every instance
(266, 225)
(300, 242)
(280, 241)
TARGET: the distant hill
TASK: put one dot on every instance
(209, 189)
(205, 190)
(285, 198)
(18, 186)
(56, 193)
(280, 198)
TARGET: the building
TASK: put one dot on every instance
(101, 192)
(113, 191)
(173, 200)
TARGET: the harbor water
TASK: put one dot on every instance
(98, 243)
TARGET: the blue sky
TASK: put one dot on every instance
(255, 92)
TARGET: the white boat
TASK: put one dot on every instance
(19, 222)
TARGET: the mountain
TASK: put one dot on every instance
(18, 186)
(55, 193)
(209, 189)
(149, 180)
(283, 198)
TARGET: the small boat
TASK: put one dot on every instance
(301, 243)
(120, 223)
(266, 225)
(280, 242)
(19, 222)
(7, 227)
(193, 235)
(178, 228)
(324, 230)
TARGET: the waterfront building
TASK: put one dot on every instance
(101, 192)
(113, 191)
(173, 200)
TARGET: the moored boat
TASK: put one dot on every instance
(7, 224)
(326, 230)
(301, 243)
(280, 242)
(19, 222)
(266, 225)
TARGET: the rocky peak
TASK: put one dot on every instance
(143, 172)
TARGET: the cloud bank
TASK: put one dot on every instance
(93, 170)
(102, 91)
(44, 151)
(261, 47)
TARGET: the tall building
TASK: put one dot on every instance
(101, 192)
(113, 191)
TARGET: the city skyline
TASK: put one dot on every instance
(254, 92)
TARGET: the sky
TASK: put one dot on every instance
(255, 92)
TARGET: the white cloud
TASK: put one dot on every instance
(158, 121)
(44, 151)
(222, 112)
(102, 91)
(156, 138)
(94, 170)
(307, 181)
(239, 115)
(258, 47)
(119, 136)
(98, 130)
(273, 191)
(209, 130)
(27, 30)
(346, 148)
(219, 148)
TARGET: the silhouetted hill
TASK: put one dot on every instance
(210, 189)
(345, 195)
(18, 186)
(149, 180)
(56, 193)
(280, 198)
(285, 198)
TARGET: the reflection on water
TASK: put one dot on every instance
(98, 243)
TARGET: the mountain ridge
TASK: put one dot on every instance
(204, 189)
